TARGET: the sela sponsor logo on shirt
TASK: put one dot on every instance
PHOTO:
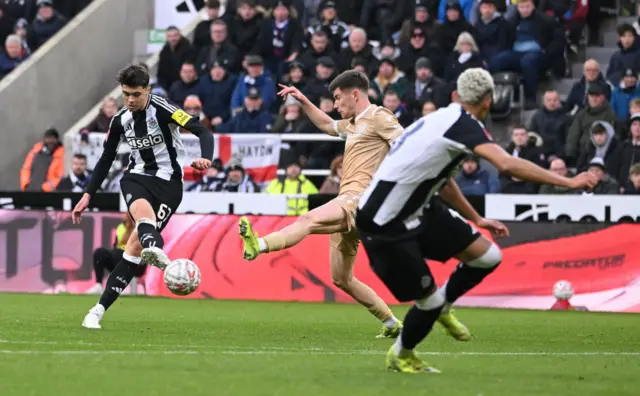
(141, 143)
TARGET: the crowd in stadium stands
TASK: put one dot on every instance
(228, 75)
(25, 25)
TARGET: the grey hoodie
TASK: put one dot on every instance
(601, 151)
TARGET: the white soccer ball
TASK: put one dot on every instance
(563, 290)
(182, 277)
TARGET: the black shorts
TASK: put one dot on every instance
(164, 196)
(400, 263)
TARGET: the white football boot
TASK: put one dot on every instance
(92, 320)
(156, 257)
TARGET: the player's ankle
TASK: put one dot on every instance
(399, 350)
(391, 322)
(262, 244)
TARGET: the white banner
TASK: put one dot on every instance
(602, 208)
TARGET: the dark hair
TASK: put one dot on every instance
(635, 169)
(351, 79)
(391, 92)
(80, 156)
(320, 33)
(173, 27)
(213, 4)
(134, 76)
(218, 22)
(51, 132)
(625, 28)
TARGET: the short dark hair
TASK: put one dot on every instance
(391, 92)
(80, 156)
(52, 132)
(320, 33)
(625, 28)
(134, 76)
(173, 27)
(218, 22)
(213, 4)
(351, 79)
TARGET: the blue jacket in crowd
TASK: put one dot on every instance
(466, 5)
(248, 122)
(216, 95)
(622, 59)
(620, 99)
(493, 37)
(8, 64)
(480, 182)
(265, 85)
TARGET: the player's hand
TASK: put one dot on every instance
(293, 91)
(582, 180)
(201, 164)
(76, 214)
(497, 229)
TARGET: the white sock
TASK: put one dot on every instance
(391, 322)
(262, 245)
(443, 293)
(98, 309)
(399, 349)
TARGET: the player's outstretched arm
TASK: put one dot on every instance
(206, 143)
(526, 170)
(319, 118)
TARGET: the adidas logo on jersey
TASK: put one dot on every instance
(149, 141)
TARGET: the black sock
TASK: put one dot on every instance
(98, 264)
(417, 325)
(463, 279)
(117, 282)
(149, 236)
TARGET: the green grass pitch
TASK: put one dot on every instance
(156, 346)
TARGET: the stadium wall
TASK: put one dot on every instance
(66, 77)
(42, 250)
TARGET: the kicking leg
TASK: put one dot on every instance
(148, 233)
(327, 219)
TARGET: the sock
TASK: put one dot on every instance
(262, 245)
(148, 234)
(463, 279)
(98, 265)
(274, 242)
(391, 322)
(417, 325)
(119, 279)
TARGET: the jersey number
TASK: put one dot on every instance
(400, 141)
(163, 213)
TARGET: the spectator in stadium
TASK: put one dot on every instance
(552, 124)
(238, 181)
(463, 5)
(215, 91)
(387, 50)
(318, 86)
(522, 146)
(474, 180)
(103, 119)
(359, 47)
(212, 180)
(597, 109)
(382, 18)
(538, 43)
(389, 77)
(392, 102)
(603, 144)
(202, 32)
(244, 27)
(418, 48)
(629, 153)
(591, 74)
(492, 31)
(624, 93)
(318, 155)
(606, 184)
(220, 50)
(44, 165)
(622, 128)
(296, 75)
(193, 106)
(12, 56)
(465, 56)
(186, 85)
(7, 23)
(293, 183)
(254, 118)
(628, 54)
(280, 39)
(47, 23)
(559, 167)
(17, 9)
(254, 78)
(422, 20)
(79, 176)
(336, 31)
(428, 107)
(453, 24)
(331, 184)
(508, 9)
(634, 181)
(22, 30)
(176, 51)
(425, 87)
(68, 8)
(289, 118)
(320, 48)
(350, 11)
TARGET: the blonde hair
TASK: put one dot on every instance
(466, 37)
(473, 85)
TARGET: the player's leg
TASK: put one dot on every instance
(326, 219)
(400, 266)
(344, 247)
(101, 260)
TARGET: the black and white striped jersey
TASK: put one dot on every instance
(153, 135)
(418, 164)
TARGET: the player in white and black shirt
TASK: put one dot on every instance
(403, 221)
(152, 184)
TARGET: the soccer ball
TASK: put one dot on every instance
(182, 277)
(563, 290)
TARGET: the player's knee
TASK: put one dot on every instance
(435, 300)
(490, 259)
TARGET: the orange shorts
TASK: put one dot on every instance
(347, 242)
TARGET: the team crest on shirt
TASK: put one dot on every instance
(152, 123)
